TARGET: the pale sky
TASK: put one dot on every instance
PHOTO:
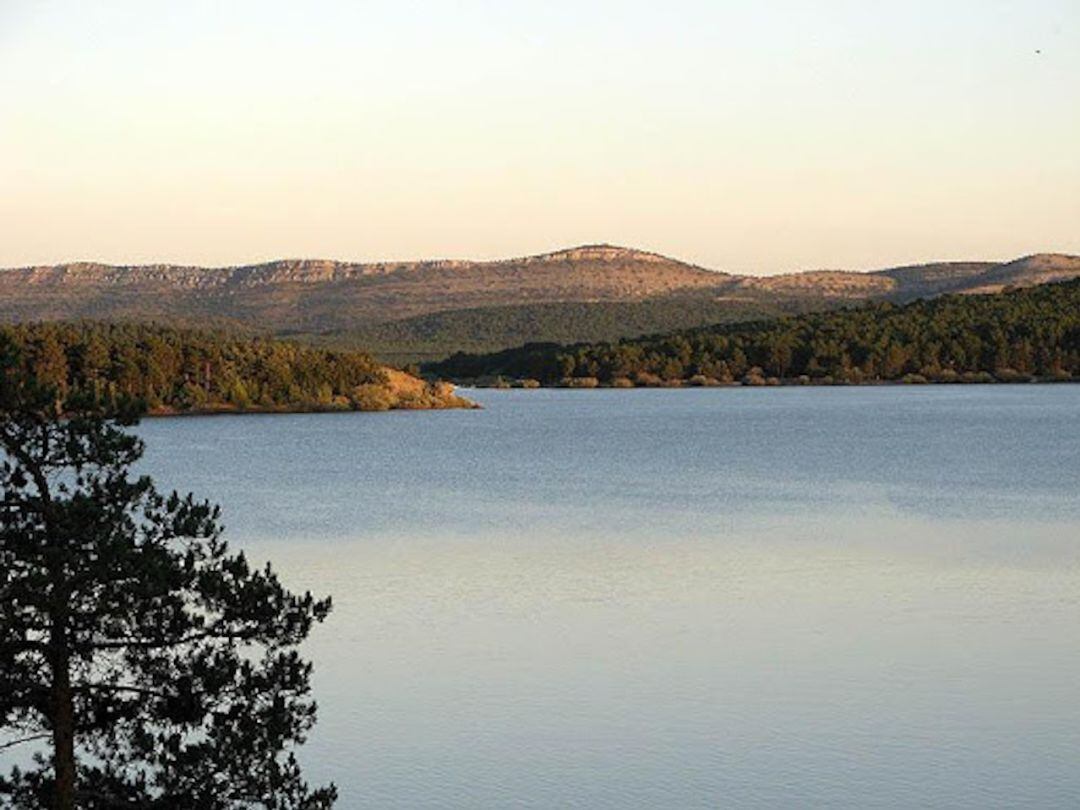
(754, 136)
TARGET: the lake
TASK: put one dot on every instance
(783, 597)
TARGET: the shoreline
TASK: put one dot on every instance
(172, 413)
(785, 383)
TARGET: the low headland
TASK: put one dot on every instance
(171, 371)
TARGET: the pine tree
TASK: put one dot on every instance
(150, 665)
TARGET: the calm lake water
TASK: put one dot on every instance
(842, 597)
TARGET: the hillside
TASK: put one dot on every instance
(485, 329)
(907, 283)
(411, 310)
(187, 371)
(1015, 335)
(324, 295)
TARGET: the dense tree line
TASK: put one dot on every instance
(1013, 335)
(175, 369)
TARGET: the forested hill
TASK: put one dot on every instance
(405, 311)
(174, 370)
(488, 329)
(1008, 336)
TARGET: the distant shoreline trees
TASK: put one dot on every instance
(176, 370)
(1012, 336)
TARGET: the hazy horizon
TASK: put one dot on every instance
(737, 136)
(419, 259)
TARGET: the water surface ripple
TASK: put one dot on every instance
(843, 597)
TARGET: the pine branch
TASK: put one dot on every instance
(12, 743)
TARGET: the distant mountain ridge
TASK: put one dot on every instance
(323, 295)
(924, 280)
(316, 271)
(314, 296)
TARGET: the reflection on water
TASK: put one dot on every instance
(694, 675)
(843, 597)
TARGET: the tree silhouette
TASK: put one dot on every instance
(151, 666)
